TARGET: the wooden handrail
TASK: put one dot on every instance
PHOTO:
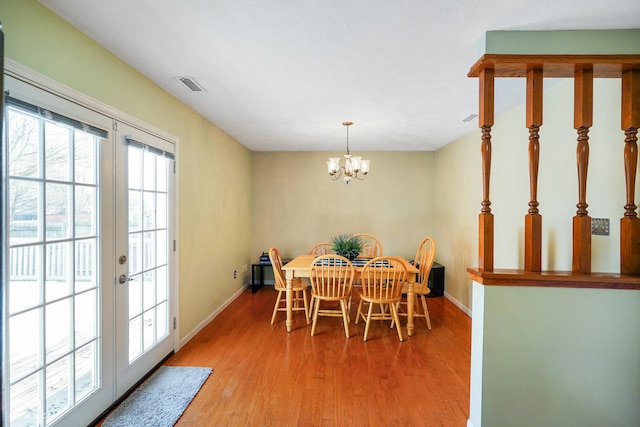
(604, 66)
(560, 279)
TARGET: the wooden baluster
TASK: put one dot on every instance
(582, 120)
(485, 121)
(533, 219)
(630, 223)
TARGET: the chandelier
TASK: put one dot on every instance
(354, 167)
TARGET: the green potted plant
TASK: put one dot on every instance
(346, 245)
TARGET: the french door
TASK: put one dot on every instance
(86, 207)
(144, 249)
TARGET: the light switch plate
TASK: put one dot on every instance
(600, 226)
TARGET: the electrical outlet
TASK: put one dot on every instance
(600, 226)
(244, 268)
(235, 274)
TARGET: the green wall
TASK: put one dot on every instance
(555, 357)
(575, 42)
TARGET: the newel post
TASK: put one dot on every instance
(630, 223)
(485, 122)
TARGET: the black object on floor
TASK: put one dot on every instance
(436, 280)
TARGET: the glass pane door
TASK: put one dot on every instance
(54, 343)
(145, 263)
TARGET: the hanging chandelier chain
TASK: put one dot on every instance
(347, 124)
(347, 139)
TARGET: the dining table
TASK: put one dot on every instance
(300, 266)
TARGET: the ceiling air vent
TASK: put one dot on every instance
(191, 83)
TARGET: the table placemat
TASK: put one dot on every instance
(358, 262)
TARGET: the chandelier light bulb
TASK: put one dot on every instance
(333, 165)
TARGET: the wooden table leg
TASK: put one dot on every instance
(411, 300)
(289, 294)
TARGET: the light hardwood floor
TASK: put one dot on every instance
(264, 376)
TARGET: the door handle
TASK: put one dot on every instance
(124, 279)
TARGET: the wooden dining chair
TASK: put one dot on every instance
(322, 248)
(425, 255)
(331, 281)
(371, 246)
(299, 288)
(382, 281)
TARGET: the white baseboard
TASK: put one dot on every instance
(209, 318)
(469, 423)
(458, 304)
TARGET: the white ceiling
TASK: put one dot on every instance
(282, 75)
